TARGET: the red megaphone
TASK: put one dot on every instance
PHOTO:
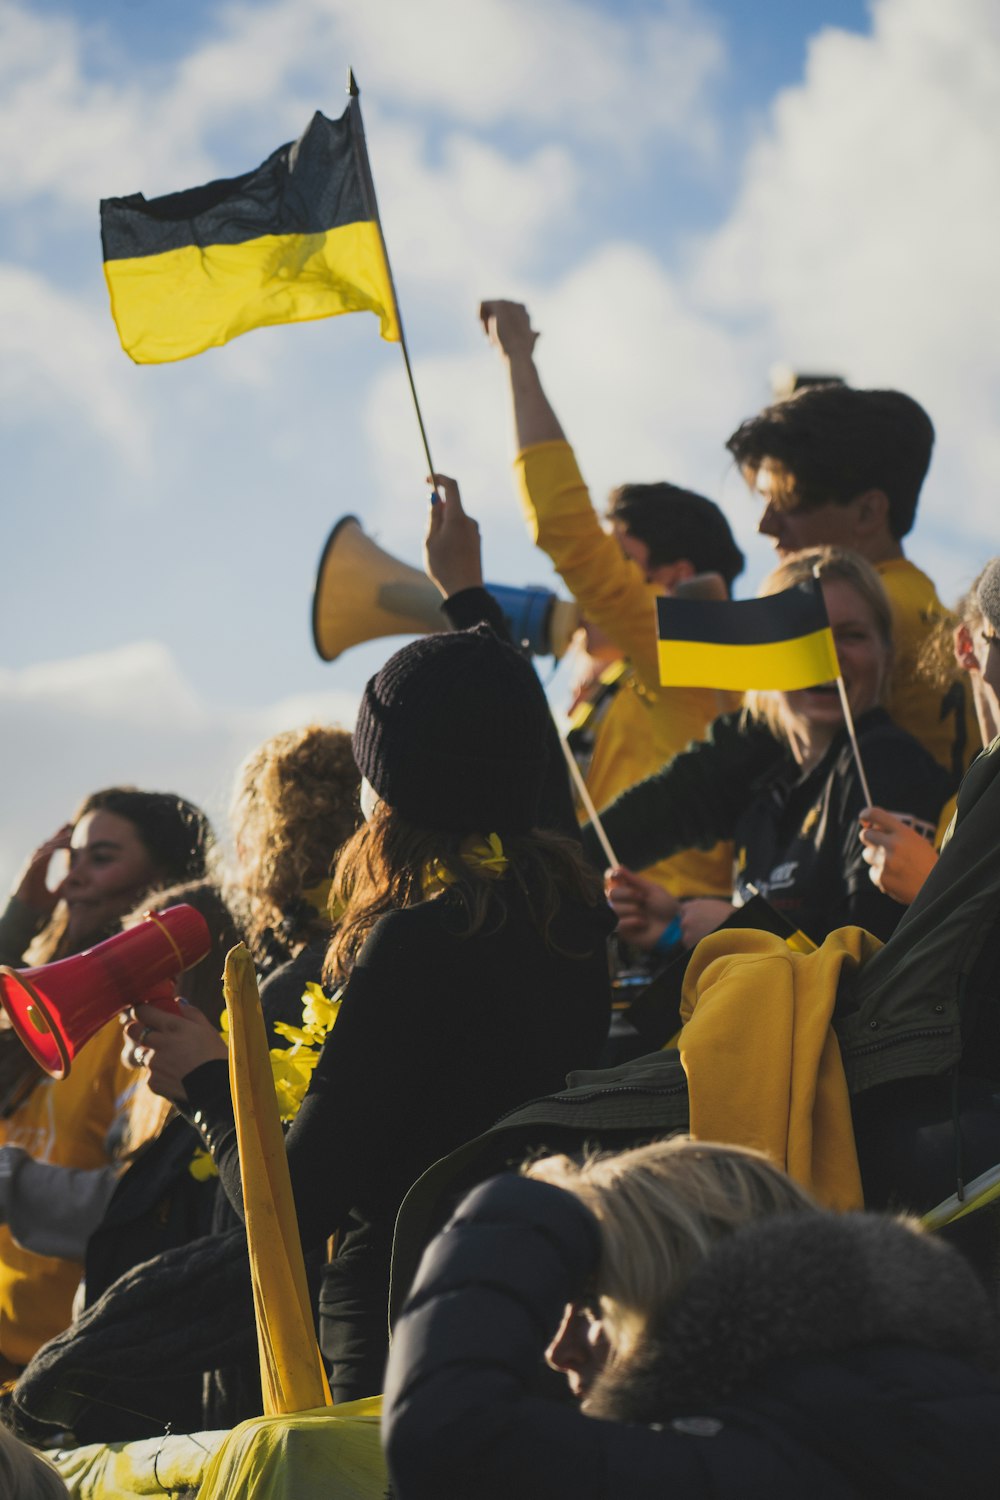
(56, 1009)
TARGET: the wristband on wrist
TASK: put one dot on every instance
(669, 938)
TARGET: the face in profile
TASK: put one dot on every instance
(793, 527)
(109, 870)
(580, 1348)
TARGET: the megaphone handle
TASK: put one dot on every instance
(164, 997)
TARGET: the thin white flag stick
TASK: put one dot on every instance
(585, 797)
(849, 721)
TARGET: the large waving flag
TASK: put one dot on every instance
(780, 642)
(296, 239)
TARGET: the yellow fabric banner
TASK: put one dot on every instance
(292, 1375)
(335, 1453)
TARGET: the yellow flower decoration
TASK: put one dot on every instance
(478, 853)
(202, 1167)
(291, 1067)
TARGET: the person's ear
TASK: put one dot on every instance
(871, 510)
(965, 652)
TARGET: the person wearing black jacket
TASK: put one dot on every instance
(471, 960)
(794, 822)
(727, 1340)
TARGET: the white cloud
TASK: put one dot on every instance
(55, 349)
(126, 716)
(563, 67)
(867, 232)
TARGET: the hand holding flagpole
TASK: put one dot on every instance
(453, 562)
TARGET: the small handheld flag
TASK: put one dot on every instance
(780, 642)
(294, 240)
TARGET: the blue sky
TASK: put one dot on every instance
(685, 193)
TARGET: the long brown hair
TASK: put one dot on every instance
(386, 865)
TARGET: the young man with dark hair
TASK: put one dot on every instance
(663, 537)
(661, 524)
(834, 466)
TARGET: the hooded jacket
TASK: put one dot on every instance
(810, 1354)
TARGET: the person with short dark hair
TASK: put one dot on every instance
(661, 524)
(833, 466)
(839, 467)
(662, 537)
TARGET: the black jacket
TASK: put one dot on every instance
(833, 1357)
(438, 1034)
(796, 835)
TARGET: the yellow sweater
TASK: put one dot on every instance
(613, 594)
(64, 1123)
(761, 1057)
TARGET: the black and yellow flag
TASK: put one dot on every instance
(781, 642)
(296, 239)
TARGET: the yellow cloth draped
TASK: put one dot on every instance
(336, 1453)
(291, 1369)
(762, 1059)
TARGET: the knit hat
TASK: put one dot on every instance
(988, 593)
(452, 734)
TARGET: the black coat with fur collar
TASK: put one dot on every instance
(812, 1355)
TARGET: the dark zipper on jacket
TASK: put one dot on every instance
(896, 1041)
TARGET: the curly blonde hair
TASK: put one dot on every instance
(295, 804)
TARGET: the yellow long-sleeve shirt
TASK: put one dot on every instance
(613, 594)
(65, 1123)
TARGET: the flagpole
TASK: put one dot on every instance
(371, 204)
(844, 704)
(576, 776)
(849, 721)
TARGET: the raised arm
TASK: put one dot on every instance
(453, 561)
(509, 329)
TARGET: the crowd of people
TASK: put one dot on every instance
(725, 1329)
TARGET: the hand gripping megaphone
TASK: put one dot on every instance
(363, 592)
(57, 1008)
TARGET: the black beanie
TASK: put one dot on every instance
(452, 734)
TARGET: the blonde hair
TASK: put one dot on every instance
(25, 1474)
(936, 662)
(827, 564)
(295, 804)
(660, 1208)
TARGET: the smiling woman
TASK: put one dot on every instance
(122, 844)
(795, 828)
